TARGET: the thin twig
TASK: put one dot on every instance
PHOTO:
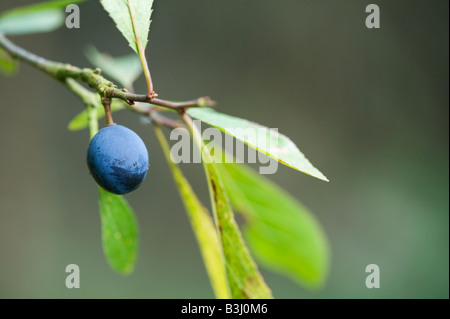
(153, 113)
(63, 71)
(133, 97)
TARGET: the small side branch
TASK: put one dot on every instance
(133, 97)
(141, 53)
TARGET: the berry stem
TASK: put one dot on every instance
(107, 105)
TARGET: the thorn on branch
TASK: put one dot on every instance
(152, 95)
(206, 101)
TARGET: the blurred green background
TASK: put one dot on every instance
(368, 107)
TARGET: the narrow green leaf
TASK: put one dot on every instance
(119, 232)
(119, 11)
(42, 5)
(202, 225)
(125, 69)
(273, 144)
(244, 278)
(32, 22)
(41, 17)
(81, 120)
(8, 66)
(282, 233)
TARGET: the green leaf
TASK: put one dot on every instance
(81, 120)
(244, 278)
(43, 5)
(119, 11)
(202, 225)
(32, 22)
(282, 233)
(8, 66)
(119, 232)
(275, 145)
(41, 17)
(125, 69)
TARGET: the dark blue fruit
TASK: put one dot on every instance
(117, 159)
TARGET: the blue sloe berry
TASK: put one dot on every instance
(117, 159)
